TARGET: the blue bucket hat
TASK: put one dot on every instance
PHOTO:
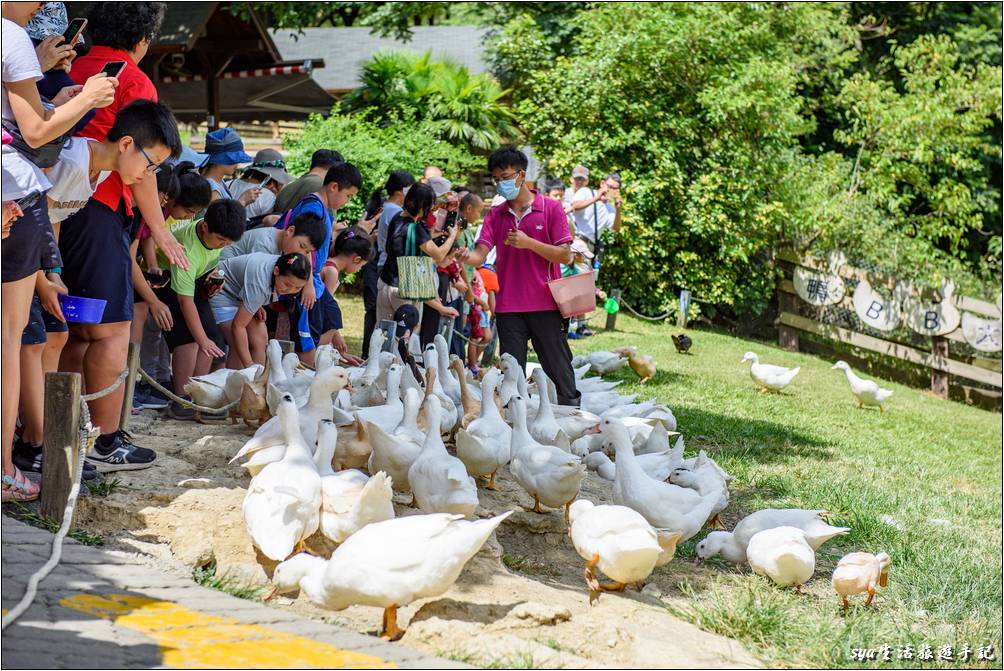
(224, 146)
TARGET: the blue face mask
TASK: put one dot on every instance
(508, 189)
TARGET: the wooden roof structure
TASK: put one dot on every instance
(209, 64)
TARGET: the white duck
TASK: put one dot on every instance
(367, 374)
(860, 572)
(512, 375)
(664, 505)
(602, 362)
(657, 465)
(279, 382)
(388, 415)
(438, 480)
(395, 452)
(574, 422)
(767, 377)
(325, 357)
(216, 389)
(484, 445)
(450, 414)
(283, 502)
(544, 428)
(732, 545)
(866, 391)
(451, 386)
(549, 474)
(705, 479)
(783, 555)
(370, 388)
(266, 446)
(349, 499)
(388, 564)
(619, 542)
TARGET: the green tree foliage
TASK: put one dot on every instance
(377, 150)
(740, 128)
(462, 108)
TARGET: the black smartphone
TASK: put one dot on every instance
(264, 182)
(113, 68)
(157, 281)
(29, 201)
(75, 28)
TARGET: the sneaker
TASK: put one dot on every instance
(121, 455)
(148, 399)
(572, 335)
(176, 410)
(29, 458)
(584, 332)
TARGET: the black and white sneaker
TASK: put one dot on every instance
(28, 457)
(121, 455)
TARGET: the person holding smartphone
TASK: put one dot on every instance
(267, 174)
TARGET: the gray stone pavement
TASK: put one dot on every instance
(108, 609)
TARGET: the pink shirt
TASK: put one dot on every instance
(523, 275)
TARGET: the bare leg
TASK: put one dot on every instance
(53, 350)
(16, 298)
(32, 393)
(257, 340)
(139, 313)
(183, 362)
(104, 360)
(390, 632)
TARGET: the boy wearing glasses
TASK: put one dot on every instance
(530, 235)
(94, 243)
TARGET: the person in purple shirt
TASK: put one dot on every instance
(531, 237)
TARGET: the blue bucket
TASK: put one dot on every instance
(82, 310)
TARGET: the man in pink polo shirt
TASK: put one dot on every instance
(531, 237)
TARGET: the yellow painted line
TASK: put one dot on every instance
(190, 639)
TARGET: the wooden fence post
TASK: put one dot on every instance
(612, 316)
(132, 362)
(286, 346)
(939, 378)
(60, 436)
(787, 337)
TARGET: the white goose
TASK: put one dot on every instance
(484, 445)
(388, 564)
(664, 505)
(783, 555)
(866, 391)
(349, 499)
(548, 474)
(732, 545)
(439, 481)
(767, 377)
(619, 542)
(394, 453)
(283, 502)
(266, 446)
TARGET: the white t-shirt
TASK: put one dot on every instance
(20, 176)
(584, 218)
(71, 187)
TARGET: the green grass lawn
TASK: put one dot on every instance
(925, 459)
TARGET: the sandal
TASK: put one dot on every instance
(18, 487)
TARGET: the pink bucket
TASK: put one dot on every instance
(575, 295)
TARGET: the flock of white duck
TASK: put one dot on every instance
(342, 440)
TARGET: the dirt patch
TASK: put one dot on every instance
(520, 602)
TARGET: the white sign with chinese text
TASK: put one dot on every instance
(982, 334)
(817, 288)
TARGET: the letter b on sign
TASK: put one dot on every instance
(932, 321)
(874, 310)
